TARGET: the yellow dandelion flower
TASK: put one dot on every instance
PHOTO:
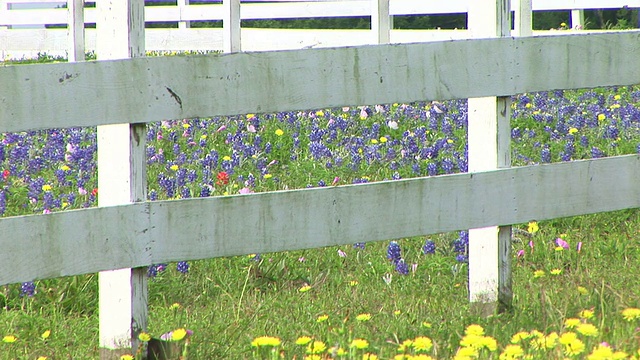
(9, 339)
(178, 334)
(601, 352)
(186, 126)
(422, 344)
(582, 290)
(574, 347)
(571, 323)
(511, 351)
(359, 344)
(42, 358)
(471, 340)
(383, 139)
(474, 329)
(319, 113)
(405, 346)
(45, 335)
(573, 130)
(175, 306)
(353, 283)
(341, 352)
(567, 337)
(586, 314)
(303, 340)
(397, 312)
(533, 227)
(519, 336)
(619, 355)
(617, 97)
(316, 347)
(555, 272)
(631, 314)
(466, 353)
(558, 248)
(279, 132)
(419, 357)
(322, 318)
(587, 329)
(174, 167)
(266, 341)
(250, 116)
(46, 187)
(226, 158)
(144, 337)
(369, 356)
(449, 141)
(426, 324)
(313, 357)
(203, 137)
(127, 357)
(304, 288)
(267, 176)
(539, 274)
(601, 117)
(374, 141)
(363, 317)
(65, 168)
(489, 343)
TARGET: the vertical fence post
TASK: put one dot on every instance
(76, 30)
(121, 180)
(231, 26)
(489, 148)
(523, 18)
(181, 6)
(577, 19)
(381, 21)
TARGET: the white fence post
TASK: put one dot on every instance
(489, 148)
(76, 30)
(577, 19)
(183, 24)
(121, 180)
(523, 21)
(231, 26)
(381, 21)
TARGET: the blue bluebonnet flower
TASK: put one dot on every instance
(154, 269)
(394, 252)
(597, 153)
(546, 154)
(429, 247)
(401, 267)
(462, 258)
(28, 289)
(182, 267)
(359, 245)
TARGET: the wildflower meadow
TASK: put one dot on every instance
(575, 279)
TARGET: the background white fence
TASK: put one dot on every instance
(120, 96)
(18, 42)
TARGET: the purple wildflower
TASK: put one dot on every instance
(429, 247)
(183, 267)
(402, 267)
(28, 289)
(394, 252)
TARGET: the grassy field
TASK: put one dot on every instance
(575, 279)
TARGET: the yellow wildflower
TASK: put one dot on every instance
(582, 290)
(573, 130)
(359, 344)
(313, 357)
(474, 329)
(404, 347)
(383, 139)
(533, 227)
(538, 273)
(602, 352)
(571, 323)
(319, 113)
(127, 357)
(555, 271)
(574, 347)
(266, 341)
(617, 97)
(178, 334)
(587, 329)
(601, 117)
(175, 306)
(144, 337)
(519, 336)
(267, 176)
(46, 187)
(303, 340)
(511, 351)
(9, 339)
(631, 314)
(586, 314)
(279, 132)
(316, 347)
(174, 167)
(567, 337)
(322, 318)
(45, 335)
(363, 317)
(369, 356)
(305, 288)
(422, 343)
(226, 158)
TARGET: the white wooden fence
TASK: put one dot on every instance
(19, 43)
(120, 96)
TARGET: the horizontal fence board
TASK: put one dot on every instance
(292, 10)
(158, 88)
(82, 241)
(27, 43)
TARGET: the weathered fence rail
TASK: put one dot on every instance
(120, 96)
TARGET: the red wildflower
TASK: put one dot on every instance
(5, 174)
(223, 178)
(94, 192)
